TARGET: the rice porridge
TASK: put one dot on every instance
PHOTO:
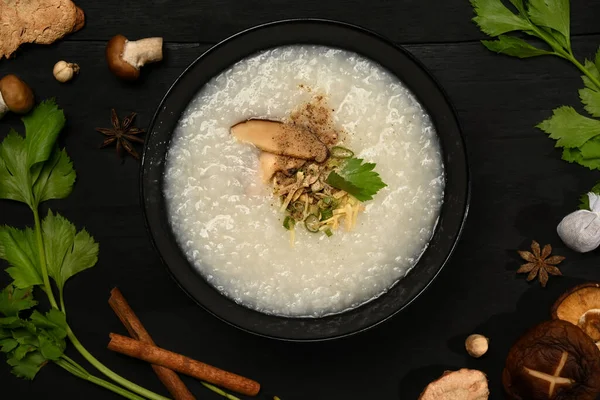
(227, 220)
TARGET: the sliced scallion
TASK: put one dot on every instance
(288, 223)
(341, 152)
(326, 214)
(328, 201)
(328, 232)
(312, 223)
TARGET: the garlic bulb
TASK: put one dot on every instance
(580, 230)
(64, 71)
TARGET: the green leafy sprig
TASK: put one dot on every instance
(549, 22)
(357, 179)
(33, 170)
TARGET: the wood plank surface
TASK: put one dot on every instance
(209, 21)
(520, 191)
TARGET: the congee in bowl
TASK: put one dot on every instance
(304, 181)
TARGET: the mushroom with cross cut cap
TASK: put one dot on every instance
(554, 360)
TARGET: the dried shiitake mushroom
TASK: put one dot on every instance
(554, 360)
(581, 306)
(464, 384)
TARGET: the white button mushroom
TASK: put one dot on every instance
(125, 57)
(64, 71)
(15, 95)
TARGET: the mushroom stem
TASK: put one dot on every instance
(141, 52)
(3, 106)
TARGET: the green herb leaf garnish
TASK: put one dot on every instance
(32, 170)
(29, 343)
(357, 179)
(569, 128)
(19, 249)
(14, 300)
(68, 252)
(548, 21)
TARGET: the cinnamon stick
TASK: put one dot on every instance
(134, 326)
(182, 364)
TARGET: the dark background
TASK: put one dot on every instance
(520, 191)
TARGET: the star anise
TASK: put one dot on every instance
(539, 263)
(122, 133)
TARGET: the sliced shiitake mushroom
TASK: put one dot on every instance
(271, 163)
(554, 360)
(581, 306)
(282, 139)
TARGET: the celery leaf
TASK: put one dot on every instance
(68, 252)
(14, 300)
(18, 248)
(570, 128)
(513, 46)
(42, 127)
(494, 18)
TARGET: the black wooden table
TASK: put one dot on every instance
(520, 191)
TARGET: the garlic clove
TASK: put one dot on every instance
(594, 201)
(64, 71)
(580, 230)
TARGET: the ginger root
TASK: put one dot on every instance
(36, 21)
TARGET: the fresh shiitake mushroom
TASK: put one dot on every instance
(15, 95)
(581, 306)
(464, 384)
(126, 57)
(554, 360)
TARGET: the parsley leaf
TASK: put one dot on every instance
(357, 179)
(570, 128)
(495, 19)
(18, 247)
(68, 252)
(513, 46)
(14, 300)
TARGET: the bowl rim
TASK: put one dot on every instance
(281, 328)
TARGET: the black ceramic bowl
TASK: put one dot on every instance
(328, 33)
